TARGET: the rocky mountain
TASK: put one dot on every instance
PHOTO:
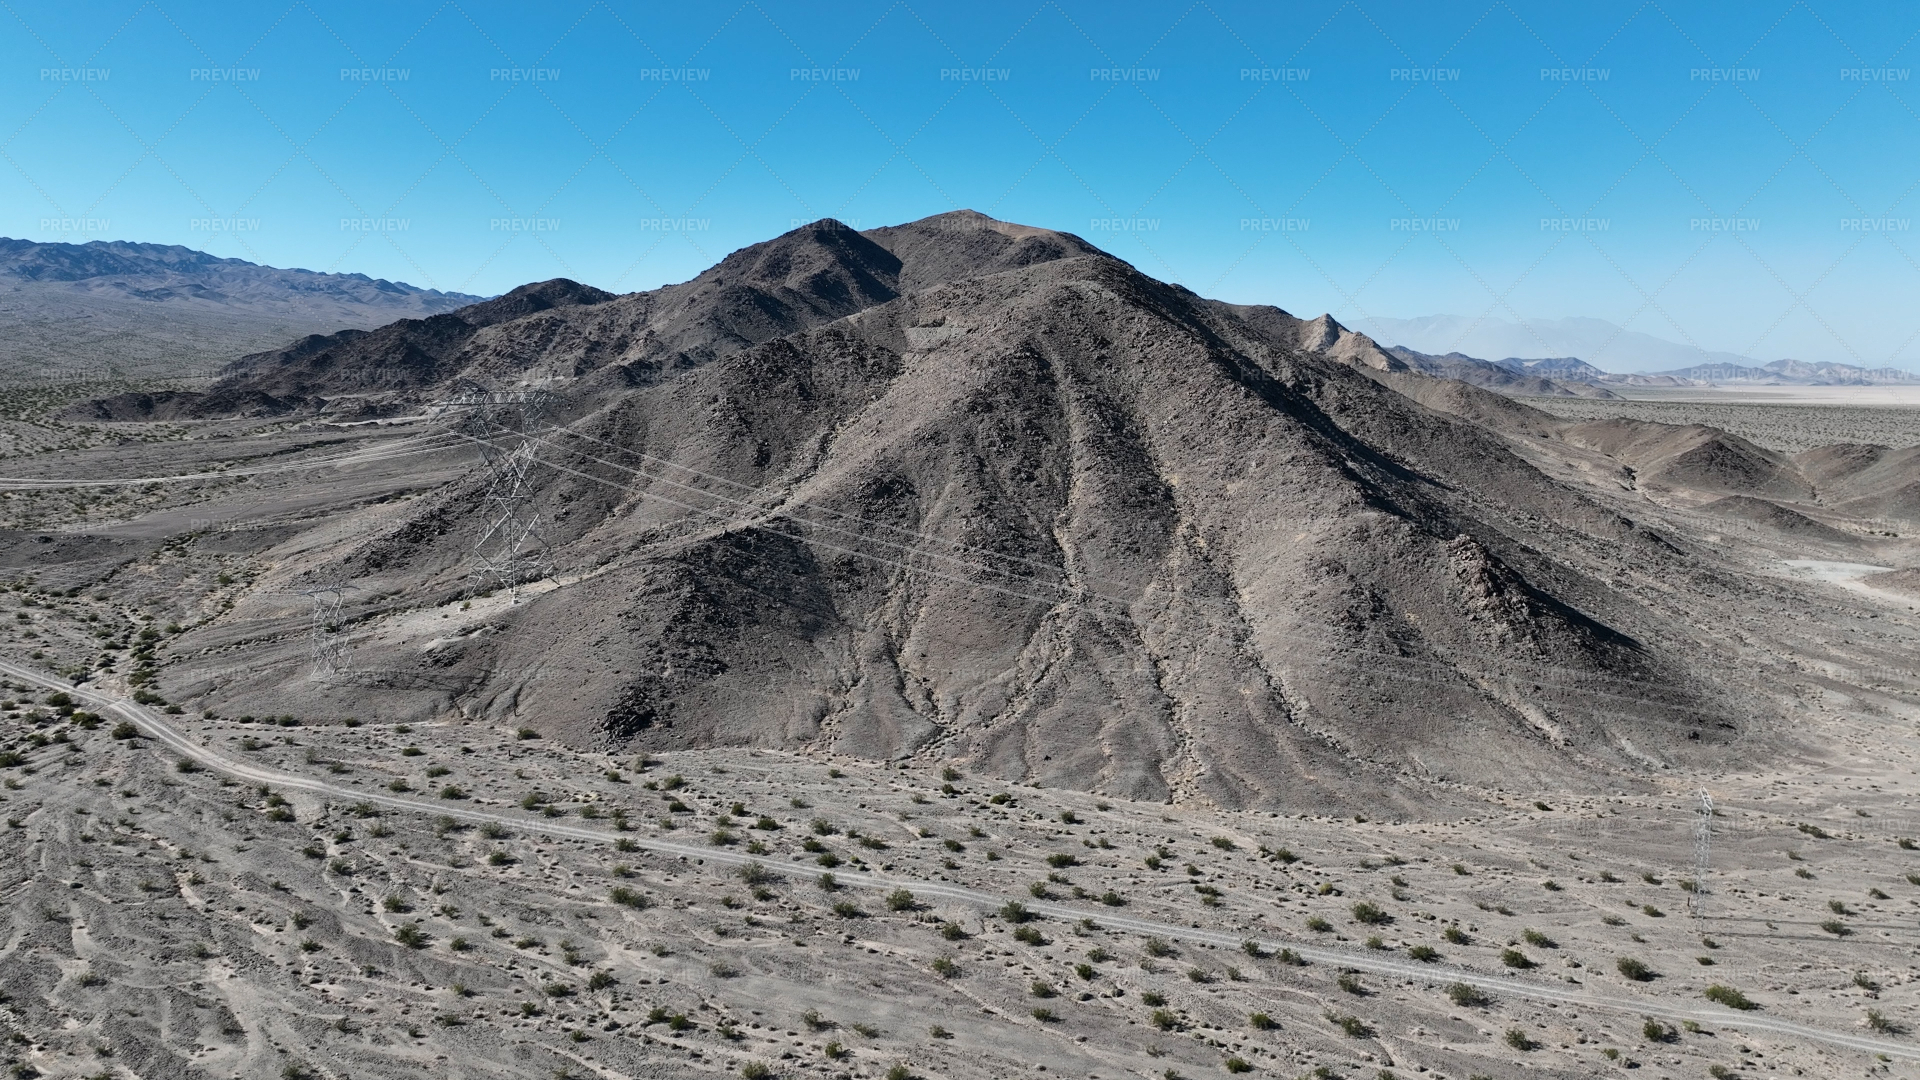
(1519, 378)
(110, 309)
(965, 489)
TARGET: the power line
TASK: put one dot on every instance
(1365, 660)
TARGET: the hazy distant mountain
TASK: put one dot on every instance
(1517, 378)
(1596, 352)
(1596, 341)
(109, 308)
(1796, 373)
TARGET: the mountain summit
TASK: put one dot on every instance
(963, 489)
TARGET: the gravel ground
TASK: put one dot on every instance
(1787, 428)
(179, 923)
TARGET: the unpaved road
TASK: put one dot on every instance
(155, 726)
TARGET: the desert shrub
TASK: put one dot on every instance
(1728, 996)
(1364, 912)
(1514, 958)
(1518, 1039)
(1634, 969)
(1466, 995)
(1353, 1026)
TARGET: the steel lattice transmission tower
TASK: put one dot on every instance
(1702, 856)
(326, 643)
(510, 550)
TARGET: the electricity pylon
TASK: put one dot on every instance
(1702, 856)
(510, 550)
(325, 640)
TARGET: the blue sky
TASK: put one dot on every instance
(1737, 176)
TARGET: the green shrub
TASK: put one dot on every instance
(1354, 1027)
(1728, 996)
(1466, 995)
(1634, 969)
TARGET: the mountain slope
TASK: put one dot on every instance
(984, 493)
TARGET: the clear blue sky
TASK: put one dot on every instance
(1722, 174)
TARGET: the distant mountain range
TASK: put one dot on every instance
(1595, 352)
(111, 309)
